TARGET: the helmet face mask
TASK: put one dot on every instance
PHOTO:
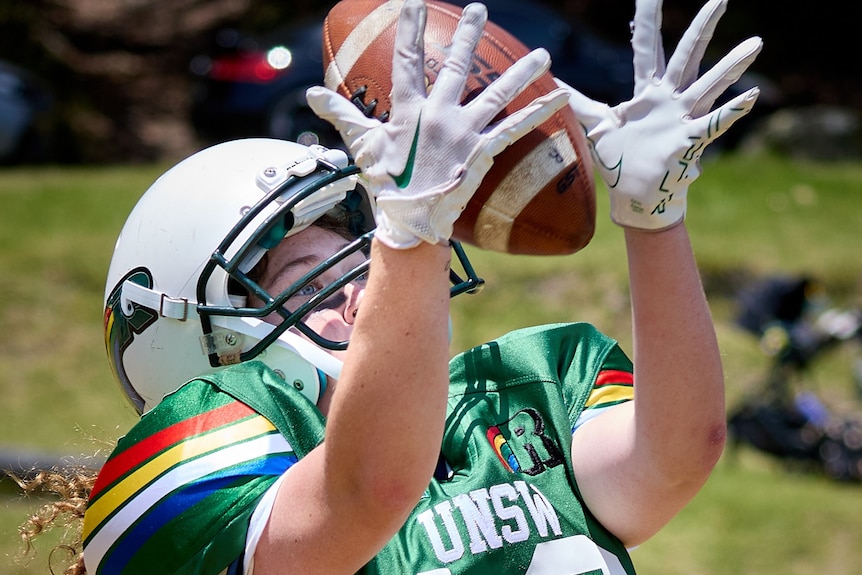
(277, 304)
(183, 297)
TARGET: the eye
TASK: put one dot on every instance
(307, 291)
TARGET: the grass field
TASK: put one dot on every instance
(748, 216)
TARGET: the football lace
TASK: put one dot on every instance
(358, 99)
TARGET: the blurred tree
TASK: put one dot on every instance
(130, 59)
(119, 67)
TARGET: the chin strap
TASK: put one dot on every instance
(322, 360)
(179, 309)
(166, 306)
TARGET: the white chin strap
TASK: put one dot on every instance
(180, 308)
(294, 342)
(314, 355)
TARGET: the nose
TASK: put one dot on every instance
(354, 294)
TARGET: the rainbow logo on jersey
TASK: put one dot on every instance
(502, 449)
(529, 437)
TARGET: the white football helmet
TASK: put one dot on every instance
(175, 298)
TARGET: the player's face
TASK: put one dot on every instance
(297, 255)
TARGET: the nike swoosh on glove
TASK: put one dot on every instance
(648, 149)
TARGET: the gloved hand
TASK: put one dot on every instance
(427, 161)
(648, 149)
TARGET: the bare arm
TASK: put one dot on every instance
(342, 502)
(664, 444)
(340, 505)
(640, 463)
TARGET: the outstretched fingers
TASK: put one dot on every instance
(408, 74)
(452, 79)
(590, 113)
(649, 60)
(520, 123)
(350, 123)
(684, 63)
(506, 88)
(717, 122)
(706, 90)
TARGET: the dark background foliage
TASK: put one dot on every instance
(118, 69)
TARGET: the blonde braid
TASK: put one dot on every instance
(72, 486)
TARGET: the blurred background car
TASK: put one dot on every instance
(254, 85)
(25, 103)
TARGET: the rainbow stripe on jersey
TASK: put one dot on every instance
(160, 501)
(612, 387)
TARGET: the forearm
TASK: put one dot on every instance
(666, 442)
(679, 388)
(387, 415)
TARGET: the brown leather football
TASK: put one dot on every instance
(539, 196)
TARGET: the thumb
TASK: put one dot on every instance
(518, 124)
(350, 122)
(589, 113)
(718, 121)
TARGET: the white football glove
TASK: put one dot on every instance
(427, 161)
(648, 149)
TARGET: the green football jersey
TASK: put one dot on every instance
(508, 501)
(179, 492)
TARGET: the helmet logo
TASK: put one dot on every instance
(123, 320)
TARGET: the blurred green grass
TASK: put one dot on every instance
(748, 216)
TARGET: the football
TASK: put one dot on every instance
(539, 196)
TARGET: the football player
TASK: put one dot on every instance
(267, 444)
